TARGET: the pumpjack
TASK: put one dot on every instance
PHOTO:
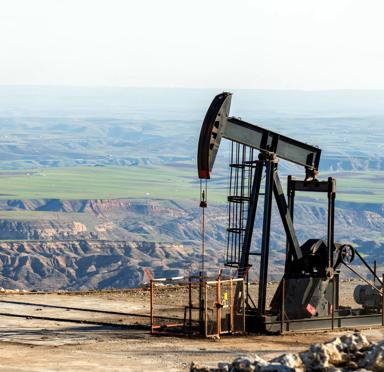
(308, 293)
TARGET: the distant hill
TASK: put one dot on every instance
(84, 171)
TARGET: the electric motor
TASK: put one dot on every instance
(367, 296)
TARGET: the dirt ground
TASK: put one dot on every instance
(71, 339)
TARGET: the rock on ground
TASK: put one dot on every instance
(349, 352)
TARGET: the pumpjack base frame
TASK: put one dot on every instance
(273, 324)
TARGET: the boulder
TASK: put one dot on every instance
(243, 364)
(275, 367)
(374, 358)
(349, 352)
(289, 360)
(354, 342)
(334, 353)
(259, 362)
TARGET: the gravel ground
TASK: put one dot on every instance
(30, 344)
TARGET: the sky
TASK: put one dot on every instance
(223, 44)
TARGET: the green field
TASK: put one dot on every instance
(359, 187)
(159, 182)
(363, 188)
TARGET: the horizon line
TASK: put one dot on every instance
(188, 88)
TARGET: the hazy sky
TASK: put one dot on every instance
(299, 44)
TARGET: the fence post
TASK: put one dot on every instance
(151, 304)
(206, 310)
(231, 307)
(382, 301)
(243, 305)
(337, 299)
(190, 305)
(218, 306)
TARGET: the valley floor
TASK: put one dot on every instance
(30, 342)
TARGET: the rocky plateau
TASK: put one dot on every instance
(100, 244)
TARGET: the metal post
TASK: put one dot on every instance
(218, 306)
(374, 271)
(270, 168)
(190, 305)
(291, 206)
(289, 229)
(243, 309)
(231, 308)
(382, 303)
(251, 218)
(331, 219)
(203, 205)
(282, 315)
(202, 301)
(337, 289)
(206, 310)
(151, 304)
(333, 302)
(247, 281)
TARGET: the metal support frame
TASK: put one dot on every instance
(291, 208)
(273, 188)
(185, 322)
(270, 165)
(236, 313)
(272, 146)
(267, 141)
(331, 220)
(286, 217)
(244, 260)
(328, 187)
